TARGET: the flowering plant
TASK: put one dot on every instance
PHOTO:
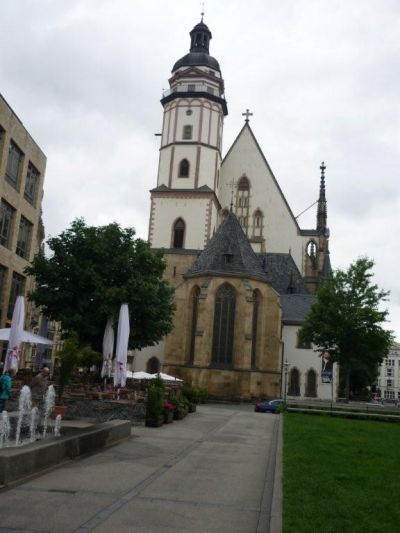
(168, 406)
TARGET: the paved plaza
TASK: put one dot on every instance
(212, 471)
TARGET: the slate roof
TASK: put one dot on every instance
(281, 271)
(228, 252)
(295, 307)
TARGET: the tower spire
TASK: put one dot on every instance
(322, 210)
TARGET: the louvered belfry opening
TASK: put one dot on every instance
(224, 322)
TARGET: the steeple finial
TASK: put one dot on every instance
(247, 114)
(200, 37)
(322, 211)
(202, 11)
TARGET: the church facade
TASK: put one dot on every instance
(243, 270)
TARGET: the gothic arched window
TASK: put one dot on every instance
(178, 234)
(153, 365)
(184, 167)
(243, 202)
(311, 384)
(258, 223)
(224, 323)
(294, 382)
(224, 214)
(195, 312)
(311, 249)
(254, 327)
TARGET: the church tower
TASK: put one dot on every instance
(184, 205)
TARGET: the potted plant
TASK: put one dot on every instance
(192, 396)
(169, 409)
(181, 409)
(154, 404)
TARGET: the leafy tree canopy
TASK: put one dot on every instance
(91, 272)
(346, 321)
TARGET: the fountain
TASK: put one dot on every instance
(24, 405)
(4, 429)
(33, 424)
(17, 461)
(49, 403)
(57, 426)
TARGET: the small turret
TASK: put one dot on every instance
(322, 209)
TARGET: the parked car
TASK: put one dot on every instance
(269, 406)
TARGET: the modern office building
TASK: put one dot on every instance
(22, 170)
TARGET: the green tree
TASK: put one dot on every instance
(91, 271)
(346, 321)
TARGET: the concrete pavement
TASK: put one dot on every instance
(213, 471)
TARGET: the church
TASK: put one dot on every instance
(244, 272)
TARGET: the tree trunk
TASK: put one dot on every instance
(347, 386)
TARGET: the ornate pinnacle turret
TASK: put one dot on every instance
(322, 210)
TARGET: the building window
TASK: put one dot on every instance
(389, 395)
(389, 362)
(294, 382)
(195, 312)
(210, 90)
(243, 202)
(302, 345)
(179, 234)
(7, 213)
(311, 384)
(153, 365)
(191, 87)
(184, 167)
(389, 372)
(17, 289)
(224, 322)
(258, 223)
(2, 137)
(187, 132)
(24, 238)
(254, 332)
(389, 383)
(14, 162)
(311, 249)
(3, 271)
(224, 214)
(31, 184)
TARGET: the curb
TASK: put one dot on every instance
(275, 524)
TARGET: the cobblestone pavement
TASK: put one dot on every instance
(212, 471)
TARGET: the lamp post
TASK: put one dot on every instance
(286, 367)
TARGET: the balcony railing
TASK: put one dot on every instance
(193, 87)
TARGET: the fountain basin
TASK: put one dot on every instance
(19, 462)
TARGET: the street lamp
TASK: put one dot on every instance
(286, 367)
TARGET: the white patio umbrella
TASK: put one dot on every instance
(121, 352)
(27, 336)
(108, 348)
(139, 375)
(15, 335)
(166, 377)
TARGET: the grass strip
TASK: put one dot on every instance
(340, 475)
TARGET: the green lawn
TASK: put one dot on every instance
(340, 475)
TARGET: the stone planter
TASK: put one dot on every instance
(179, 414)
(154, 421)
(168, 417)
(192, 408)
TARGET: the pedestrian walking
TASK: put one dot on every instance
(6, 381)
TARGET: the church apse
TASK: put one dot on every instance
(226, 337)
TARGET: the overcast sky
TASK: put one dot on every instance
(321, 77)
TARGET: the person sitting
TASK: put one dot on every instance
(39, 386)
(6, 381)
